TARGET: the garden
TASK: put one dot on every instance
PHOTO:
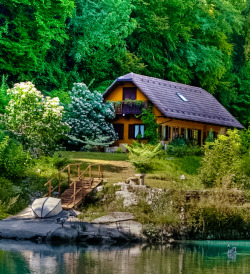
(206, 189)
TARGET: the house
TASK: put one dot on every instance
(180, 110)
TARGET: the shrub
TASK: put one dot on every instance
(222, 158)
(89, 118)
(218, 215)
(13, 159)
(163, 210)
(142, 156)
(179, 148)
(119, 150)
(245, 140)
(35, 120)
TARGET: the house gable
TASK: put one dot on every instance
(167, 96)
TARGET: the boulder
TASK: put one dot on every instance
(62, 234)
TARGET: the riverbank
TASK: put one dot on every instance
(115, 228)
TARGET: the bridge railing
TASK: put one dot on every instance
(70, 175)
(86, 180)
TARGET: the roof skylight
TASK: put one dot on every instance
(182, 97)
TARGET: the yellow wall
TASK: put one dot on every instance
(117, 95)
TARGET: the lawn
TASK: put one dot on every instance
(117, 168)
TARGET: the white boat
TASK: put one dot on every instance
(46, 207)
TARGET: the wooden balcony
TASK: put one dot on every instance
(130, 108)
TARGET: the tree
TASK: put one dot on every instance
(185, 41)
(28, 30)
(34, 120)
(89, 117)
(97, 45)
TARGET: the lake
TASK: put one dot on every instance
(185, 257)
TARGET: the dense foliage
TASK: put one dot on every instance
(222, 162)
(142, 156)
(149, 120)
(29, 31)
(57, 43)
(34, 120)
(89, 117)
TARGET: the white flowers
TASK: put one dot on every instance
(37, 117)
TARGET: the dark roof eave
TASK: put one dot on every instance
(204, 122)
(114, 85)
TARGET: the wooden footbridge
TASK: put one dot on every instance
(78, 184)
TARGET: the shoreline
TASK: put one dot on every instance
(116, 228)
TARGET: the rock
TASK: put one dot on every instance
(114, 217)
(133, 180)
(99, 188)
(120, 231)
(62, 234)
(129, 198)
(119, 184)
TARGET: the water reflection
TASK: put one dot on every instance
(185, 257)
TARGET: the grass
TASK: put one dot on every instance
(117, 168)
(94, 156)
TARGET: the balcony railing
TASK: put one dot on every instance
(133, 108)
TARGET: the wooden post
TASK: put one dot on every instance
(68, 174)
(90, 171)
(74, 198)
(82, 185)
(78, 170)
(59, 183)
(50, 188)
(99, 171)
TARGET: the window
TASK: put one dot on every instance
(184, 133)
(167, 133)
(194, 136)
(129, 93)
(134, 130)
(182, 97)
(164, 133)
(175, 132)
(119, 129)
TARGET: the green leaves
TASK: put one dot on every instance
(28, 29)
(89, 117)
(34, 120)
(142, 156)
(222, 161)
(149, 120)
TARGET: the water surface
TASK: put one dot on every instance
(186, 257)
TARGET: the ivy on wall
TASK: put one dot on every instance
(149, 120)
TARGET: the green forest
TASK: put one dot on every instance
(54, 44)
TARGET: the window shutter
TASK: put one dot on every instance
(131, 131)
(119, 129)
(199, 137)
(160, 132)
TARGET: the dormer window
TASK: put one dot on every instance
(182, 97)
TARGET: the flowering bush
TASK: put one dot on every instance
(88, 117)
(35, 120)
